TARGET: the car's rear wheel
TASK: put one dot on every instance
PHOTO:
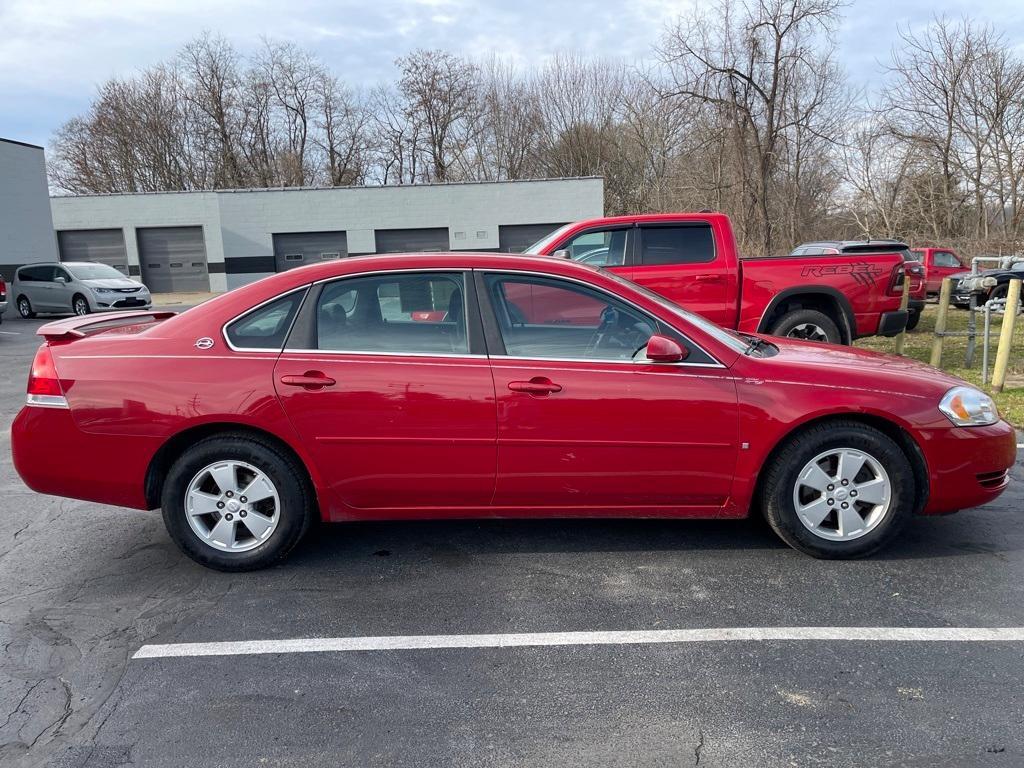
(1001, 291)
(807, 325)
(913, 319)
(79, 305)
(25, 308)
(839, 490)
(236, 503)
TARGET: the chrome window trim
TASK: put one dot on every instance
(224, 328)
(618, 360)
(314, 352)
(716, 364)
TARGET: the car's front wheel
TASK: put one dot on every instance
(841, 489)
(79, 305)
(236, 503)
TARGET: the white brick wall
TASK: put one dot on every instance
(240, 224)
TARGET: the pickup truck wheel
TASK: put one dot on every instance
(807, 325)
(236, 503)
(839, 490)
(999, 292)
(912, 320)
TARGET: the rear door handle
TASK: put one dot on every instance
(311, 380)
(538, 385)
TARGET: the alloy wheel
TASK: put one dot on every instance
(842, 494)
(24, 308)
(81, 306)
(808, 332)
(232, 506)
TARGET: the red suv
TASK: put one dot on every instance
(465, 385)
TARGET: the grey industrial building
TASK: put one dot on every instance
(26, 228)
(201, 241)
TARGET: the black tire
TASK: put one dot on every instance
(80, 305)
(25, 308)
(1000, 292)
(297, 506)
(807, 325)
(781, 478)
(912, 320)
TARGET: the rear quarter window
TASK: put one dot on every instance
(265, 327)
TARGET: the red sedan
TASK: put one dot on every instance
(443, 385)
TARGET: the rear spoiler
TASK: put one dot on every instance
(79, 327)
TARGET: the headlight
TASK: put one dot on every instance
(101, 290)
(967, 407)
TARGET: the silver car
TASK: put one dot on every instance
(80, 287)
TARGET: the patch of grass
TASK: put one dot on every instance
(919, 346)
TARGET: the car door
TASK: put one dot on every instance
(679, 261)
(944, 264)
(62, 289)
(41, 289)
(582, 427)
(386, 380)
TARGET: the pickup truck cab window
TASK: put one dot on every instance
(946, 259)
(686, 244)
(600, 248)
(411, 313)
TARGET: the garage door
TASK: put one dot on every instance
(411, 240)
(294, 249)
(173, 259)
(516, 238)
(103, 245)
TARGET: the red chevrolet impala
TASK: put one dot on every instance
(443, 385)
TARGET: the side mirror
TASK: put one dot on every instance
(60, 279)
(562, 253)
(662, 349)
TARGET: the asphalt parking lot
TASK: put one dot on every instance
(83, 587)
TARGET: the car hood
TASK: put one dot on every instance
(113, 282)
(834, 365)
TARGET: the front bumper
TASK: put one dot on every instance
(968, 466)
(892, 323)
(119, 302)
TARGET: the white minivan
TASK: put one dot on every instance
(80, 287)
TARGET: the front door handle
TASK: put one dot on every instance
(538, 385)
(708, 278)
(311, 380)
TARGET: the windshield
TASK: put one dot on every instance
(729, 338)
(95, 272)
(547, 240)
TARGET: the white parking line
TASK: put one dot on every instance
(10, 333)
(641, 637)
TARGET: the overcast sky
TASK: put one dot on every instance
(53, 53)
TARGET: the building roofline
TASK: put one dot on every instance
(20, 143)
(321, 189)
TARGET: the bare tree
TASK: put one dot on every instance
(766, 65)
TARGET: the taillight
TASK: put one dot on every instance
(896, 282)
(43, 385)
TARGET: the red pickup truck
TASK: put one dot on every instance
(939, 263)
(692, 259)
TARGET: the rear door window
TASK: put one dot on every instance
(681, 244)
(411, 313)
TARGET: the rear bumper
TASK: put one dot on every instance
(3, 307)
(892, 323)
(53, 456)
(968, 467)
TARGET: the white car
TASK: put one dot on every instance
(79, 287)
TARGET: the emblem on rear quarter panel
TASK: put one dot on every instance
(204, 343)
